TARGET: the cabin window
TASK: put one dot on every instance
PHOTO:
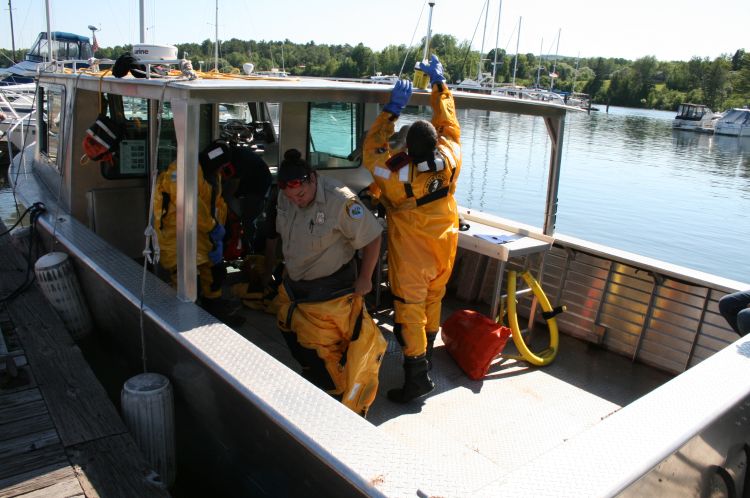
(250, 122)
(131, 160)
(335, 129)
(51, 120)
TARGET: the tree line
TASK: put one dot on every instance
(721, 83)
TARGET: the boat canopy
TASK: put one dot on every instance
(65, 46)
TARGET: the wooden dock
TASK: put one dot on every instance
(60, 435)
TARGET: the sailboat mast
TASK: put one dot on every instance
(554, 65)
(497, 38)
(142, 8)
(481, 52)
(216, 37)
(539, 66)
(518, 41)
(12, 37)
(575, 74)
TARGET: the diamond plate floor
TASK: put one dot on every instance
(512, 416)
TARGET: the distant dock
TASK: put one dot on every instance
(60, 435)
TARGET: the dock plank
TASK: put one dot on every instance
(77, 402)
(113, 466)
(24, 426)
(38, 480)
(60, 435)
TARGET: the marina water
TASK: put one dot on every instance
(628, 181)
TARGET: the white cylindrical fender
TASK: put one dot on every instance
(59, 285)
(148, 411)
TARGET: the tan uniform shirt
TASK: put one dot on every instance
(320, 238)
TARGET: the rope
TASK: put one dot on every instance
(34, 211)
(151, 251)
(401, 71)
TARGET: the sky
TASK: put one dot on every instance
(666, 29)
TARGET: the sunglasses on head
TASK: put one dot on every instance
(297, 182)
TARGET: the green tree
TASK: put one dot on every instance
(716, 84)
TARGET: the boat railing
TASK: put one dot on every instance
(18, 123)
(6, 104)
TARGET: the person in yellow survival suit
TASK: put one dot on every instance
(417, 187)
(212, 211)
(321, 311)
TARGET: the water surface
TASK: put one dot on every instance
(627, 181)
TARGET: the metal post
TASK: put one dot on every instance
(556, 130)
(187, 120)
(49, 33)
(143, 21)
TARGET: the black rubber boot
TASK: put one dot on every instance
(417, 382)
(430, 345)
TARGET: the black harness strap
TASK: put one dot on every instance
(294, 301)
(355, 336)
(432, 196)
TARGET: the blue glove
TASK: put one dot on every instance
(434, 70)
(216, 255)
(217, 233)
(399, 97)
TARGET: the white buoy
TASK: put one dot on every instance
(59, 285)
(248, 68)
(148, 411)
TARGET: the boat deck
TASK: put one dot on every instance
(515, 414)
(60, 435)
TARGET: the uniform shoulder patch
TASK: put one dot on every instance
(355, 210)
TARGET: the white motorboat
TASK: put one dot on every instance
(388, 79)
(604, 419)
(64, 47)
(734, 122)
(694, 117)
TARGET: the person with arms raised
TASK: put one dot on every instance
(417, 187)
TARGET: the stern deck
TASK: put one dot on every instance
(512, 416)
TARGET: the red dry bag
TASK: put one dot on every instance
(473, 340)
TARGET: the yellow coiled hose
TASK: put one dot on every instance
(545, 356)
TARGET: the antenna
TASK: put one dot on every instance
(142, 8)
(216, 45)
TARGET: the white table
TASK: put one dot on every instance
(499, 239)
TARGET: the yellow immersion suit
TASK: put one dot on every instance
(327, 327)
(165, 222)
(422, 221)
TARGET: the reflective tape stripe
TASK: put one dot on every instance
(425, 166)
(403, 174)
(104, 127)
(382, 172)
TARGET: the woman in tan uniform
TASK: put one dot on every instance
(322, 224)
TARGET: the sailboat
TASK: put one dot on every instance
(484, 81)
